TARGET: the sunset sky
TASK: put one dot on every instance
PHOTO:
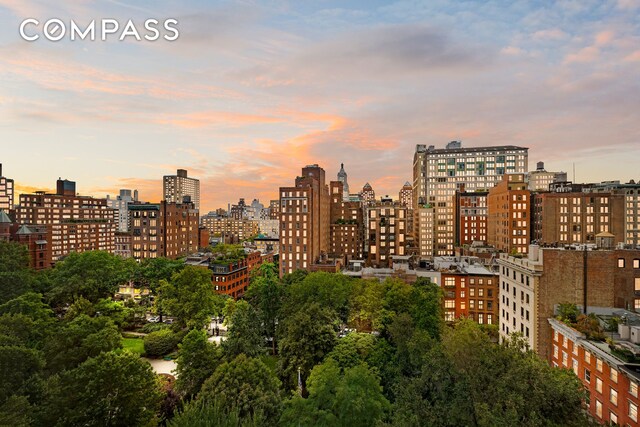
(253, 91)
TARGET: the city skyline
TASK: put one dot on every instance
(244, 104)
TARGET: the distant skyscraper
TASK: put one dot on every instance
(342, 177)
(304, 220)
(6, 192)
(121, 204)
(176, 187)
(439, 173)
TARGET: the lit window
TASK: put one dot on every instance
(633, 411)
(633, 389)
(598, 385)
(599, 365)
(620, 262)
(613, 396)
(598, 409)
(614, 375)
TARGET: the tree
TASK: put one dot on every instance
(266, 295)
(189, 296)
(203, 414)
(160, 343)
(245, 385)
(352, 397)
(75, 341)
(305, 339)
(18, 365)
(108, 390)
(330, 291)
(496, 390)
(16, 277)
(427, 307)
(197, 360)
(366, 305)
(91, 275)
(243, 334)
(353, 349)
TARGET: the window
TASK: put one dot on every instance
(613, 375)
(613, 418)
(613, 396)
(633, 411)
(598, 365)
(587, 357)
(555, 351)
(637, 284)
(598, 385)
(598, 408)
(633, 389)
(620, 262)
(636, 263)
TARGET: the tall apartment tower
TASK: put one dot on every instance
(121, 204)
(439, 172)
(386, 232)
(304, 220)
(367, 195)
(176, 187)
(6, 192)
(509, 215)
(342, 177)
(77, 223)
(347, 225)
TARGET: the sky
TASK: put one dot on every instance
(254, 90)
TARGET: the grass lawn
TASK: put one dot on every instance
(134, 345)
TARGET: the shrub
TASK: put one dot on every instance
(159, 343)
(153, 327)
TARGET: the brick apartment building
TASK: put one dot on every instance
(471, 217)
(76, 223)
(230, 229)
(532, 286)
(304, 220)
(163, 230)
(610, 381)
(470, 291)
(347, 225)
(232, 278)
(561, 218)
(509, 214)
(36, 238)
(386, 233)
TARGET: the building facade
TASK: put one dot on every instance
(540, 179)
(121, 204)
(231, 229)
(532, 286)
(368, 195)
(177, 187)
(439, 173)
(304, 220)
(386, 232)
(6, 192)
(163, 230)
(611, 383)
(509, 215)
(76, 223)
(347, 225)
(471, 217)
(564, 218)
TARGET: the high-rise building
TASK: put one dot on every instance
(386, 232)
(274, 209)
(304, 220)
(6, 192)
(177, 187)
(342, 177)
(77, 223)
(163, 230)
(438, 173)
(471, 217)
(347, 225)
(509, 215)
(540, 179)
(121, 204)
